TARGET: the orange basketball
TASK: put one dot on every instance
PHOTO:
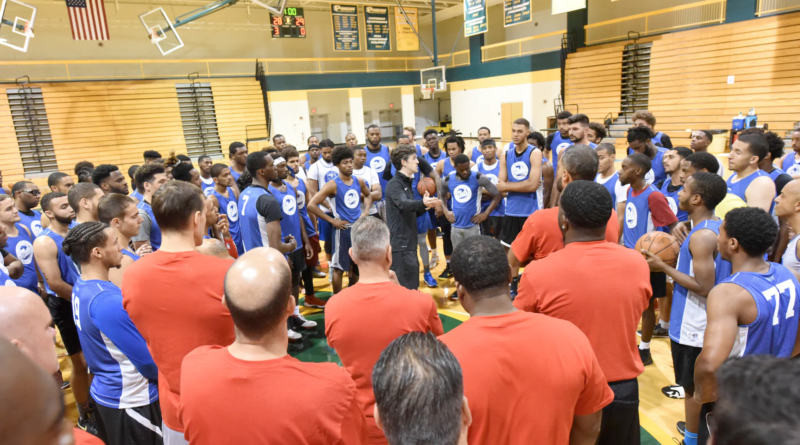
(662, 244)
(426, 184)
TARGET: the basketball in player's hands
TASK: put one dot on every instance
(426, 184)
(662, 244)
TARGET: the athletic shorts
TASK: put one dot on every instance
(313, 241)
(493, 226)
(61, 311)
(424, 223)
(341, 250)
(683, 360)
(434, 218)
(297, 261)
(130, 426)
(512, 225)
(658, 281)
(325, 229)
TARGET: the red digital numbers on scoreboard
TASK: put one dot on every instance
(291, 25)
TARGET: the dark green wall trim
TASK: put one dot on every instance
(576, 20)
(475, 44)
(515, 65)
(740, 10)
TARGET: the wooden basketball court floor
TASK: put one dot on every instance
(658, 413)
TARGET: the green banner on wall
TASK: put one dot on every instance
(345, 28)
(376, 19)
(475, 20)
(516, 12)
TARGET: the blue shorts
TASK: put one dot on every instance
(325, 229)
(424, 224)
(341, 250)
(434, 218)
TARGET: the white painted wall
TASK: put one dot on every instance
(290, 118)
(336, 105)
(475, 108)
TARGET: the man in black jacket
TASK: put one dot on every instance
(401, 216)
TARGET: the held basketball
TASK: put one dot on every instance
(426, 185)
(662, 244)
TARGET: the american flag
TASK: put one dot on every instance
(87, 18)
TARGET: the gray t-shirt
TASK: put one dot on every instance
(144, 229)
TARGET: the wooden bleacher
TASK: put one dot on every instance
(115, 122)
(689, 77)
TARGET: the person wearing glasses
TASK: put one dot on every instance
(26, 197)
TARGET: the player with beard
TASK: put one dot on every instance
(110, 179)
(26, 198)
(237, 152)
(558, 141)
(19, 243)
(122, 215)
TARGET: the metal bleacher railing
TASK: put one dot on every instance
(766, 7)
(701, 13)
(521, 47)
(153, 69)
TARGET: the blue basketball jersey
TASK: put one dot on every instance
(21, 246)
(611, 185)
(68, 269)
(250, 222)
(230, 208)
(774, 330)
(689, 308)
(235, 175)
(307, 165)
(347, 203)
(32, 222)
(739, 188)
(557, 146)
(672, 200)
(434, 160)
(125, 375)
(378, 162)
(155, 231)
(448, 167)
(208, 185)
(5, 279)
(657, 138)
(301, 205)
(137, 195)
(290, 223)
(477, 156)
(775, 173)
(638, 219)
(521, 204)
(492, 172)
(130, 254)
(790, 165)
(657, 164)
(464, 198)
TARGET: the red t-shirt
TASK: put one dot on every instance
(602, 288)
(540, 235)
(526, 377)
(84, 438)
(362, 320)
(226, 400)
(175, 300)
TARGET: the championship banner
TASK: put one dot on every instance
(406, 39)
(516, 12)
(475, 20)
(345, 28)
(376, 19)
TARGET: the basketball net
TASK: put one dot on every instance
(427, 92)
(154, 36)
(28, 31)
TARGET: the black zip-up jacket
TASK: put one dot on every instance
(402, 212)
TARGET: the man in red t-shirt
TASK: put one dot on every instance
(174, 295)
(551, 389)
(565, 285)
(363, 319)
(540, 235)
(254, 392)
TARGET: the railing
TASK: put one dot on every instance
(150, 69)
(655, 22)
(766, 7)
(524, 46)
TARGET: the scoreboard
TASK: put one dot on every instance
(291, 25)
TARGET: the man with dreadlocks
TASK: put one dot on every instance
(127, 407)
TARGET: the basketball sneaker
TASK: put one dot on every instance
(446, 274)
(313, 302)
(681, 428)
(647, 359)
(316, 273)
(660, 332)
(302, 322)
(88, 424)
(434, 260)
(294, 336)
(429, 280)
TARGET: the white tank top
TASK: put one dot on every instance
(789, 258)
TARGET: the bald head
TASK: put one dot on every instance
(788, 202)
(258, 291)
(36, 416)
(25, 322)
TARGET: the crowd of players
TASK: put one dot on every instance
(172, 341)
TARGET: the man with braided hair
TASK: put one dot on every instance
(124, 385)
(588, 263)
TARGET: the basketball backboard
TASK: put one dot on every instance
(160, 31)
(274, 6)
(16, 24)
(433, 78)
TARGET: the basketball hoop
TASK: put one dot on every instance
(427, 92)
(28, 30)
(154, 37)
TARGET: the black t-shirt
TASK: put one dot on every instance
(781, 182)
(424, 167)
(268, 207)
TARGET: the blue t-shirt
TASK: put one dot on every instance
(347, 202)
(774, 330)
(229, 207)
(125, 375)
(520, 204)
(68, 269)
(463, 198)
(21, 246)
(155, 231)
(290, 223)
(33, 222)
